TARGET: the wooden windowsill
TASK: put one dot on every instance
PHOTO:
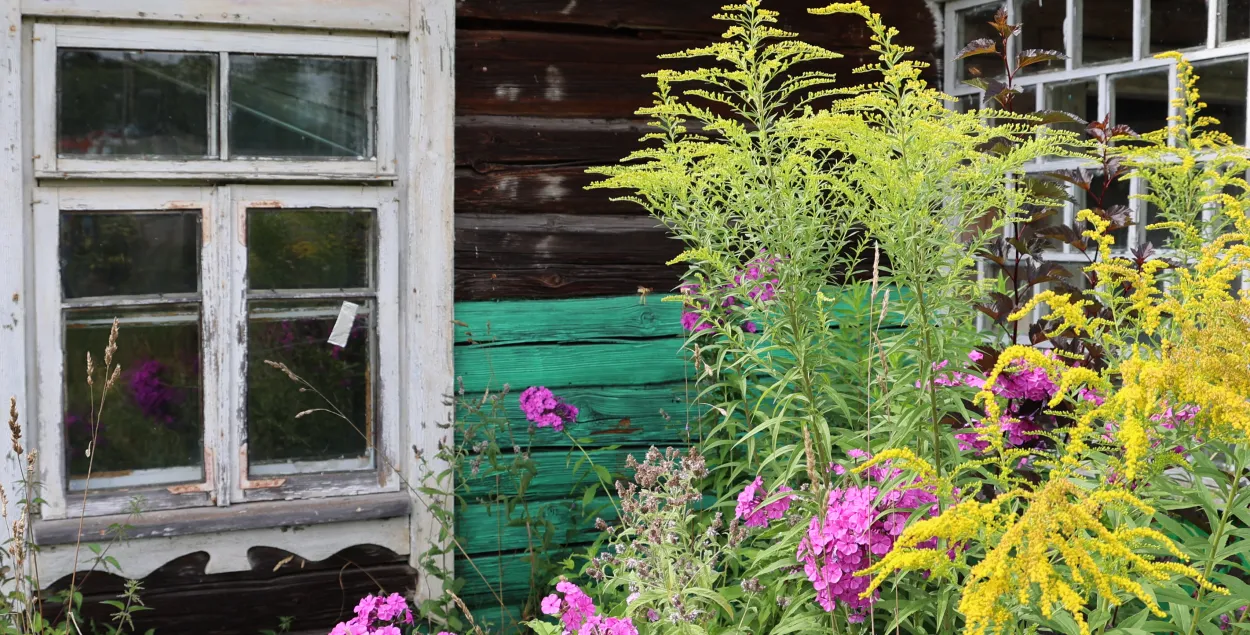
(238, 517)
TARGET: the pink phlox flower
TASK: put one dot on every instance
(575, 608)
(859, 524)
(600, 625)
(976, 355)
(392, 607)
(751, 508)
(1090, 395)
(387, 630)
(355, 626)
(366, 607)
(551, 605)
(545, 410)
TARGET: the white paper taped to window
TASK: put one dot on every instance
(343, 325)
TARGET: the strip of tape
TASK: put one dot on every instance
(343, 325)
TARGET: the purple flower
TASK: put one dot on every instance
(858, 524)
(751, 508)
(545, 410)
(155, 399)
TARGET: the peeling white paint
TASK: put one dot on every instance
(510, 92)
(555, 84)
(508, 187)
(553, 187)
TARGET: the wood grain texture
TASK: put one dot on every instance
(369, 15)
(572, 365)
(574, 75)
(492, 529)
(558, 474)
(912, 17)
(610, 415)
(426, 280)
(583, 319)
(488, 139)
(562, 281)
(13, 242)
(184, 599)
(537, 189)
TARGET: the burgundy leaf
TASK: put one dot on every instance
(1120, 216)
(1004, 28)
(982, 46)
(1049, 117)
(1036, 56)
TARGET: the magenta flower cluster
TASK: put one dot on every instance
(1019, 384)
(757, 279)
(155, 399)
(751, 508)
(377, 615)
(859, 523)
(545, 410)
(578, 613)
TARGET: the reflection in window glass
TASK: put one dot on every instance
(282, 106)
(970, 103)
(309, 249)
(974, 24)
(1041, 27)
(1237, 20)
(295, 333)
(132, 103)
(1107, 32)
(1177, 24)
(1141, 101)
(131, 253)
(1076, 98)
(152, 418)
(1222, 85)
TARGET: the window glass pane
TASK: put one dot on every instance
(1141, 101)
(130, 253)
(309, 249)
(151, 427)
(1237, 20)
(283, 106)
(973, 24)
(295, 333)
(133, 103)
(1107, 31)
(1222, 86)
(1077, 98)
(1177, 24)
(1041, 27)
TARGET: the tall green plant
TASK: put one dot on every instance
(758, 164)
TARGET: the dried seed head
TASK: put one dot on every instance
(282, 367)
(112, 347)
(15, 428)
(305, 413)
(117, 373)
(90, 370)
(4, 502)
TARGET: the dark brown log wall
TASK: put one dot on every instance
(546, 88)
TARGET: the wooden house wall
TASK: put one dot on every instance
(546, 283)
(547, 273)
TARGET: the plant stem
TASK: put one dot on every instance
(931, 388)
(1217, 538)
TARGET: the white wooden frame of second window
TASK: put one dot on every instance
(223, 300)
(1215, 49)
(222, 42)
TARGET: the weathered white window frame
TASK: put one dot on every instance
(223, 300)
(50, 37)
(1215, 49)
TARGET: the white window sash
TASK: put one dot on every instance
(60, 499)
(307, 479)
(223, 332)
(48, 164)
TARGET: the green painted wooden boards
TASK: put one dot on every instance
(617, 359)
